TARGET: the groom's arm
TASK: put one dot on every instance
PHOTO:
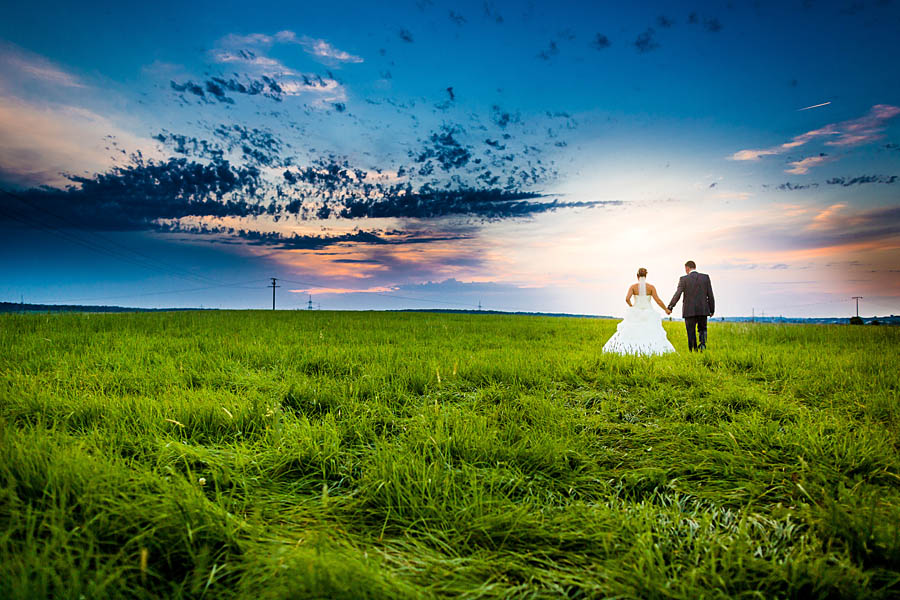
(710, 297)
(678, 293)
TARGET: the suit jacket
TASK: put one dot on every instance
(698, 295)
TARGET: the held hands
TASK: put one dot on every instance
(668, 311)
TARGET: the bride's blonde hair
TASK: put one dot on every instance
(642, 272)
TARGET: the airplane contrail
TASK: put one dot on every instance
(814, 106)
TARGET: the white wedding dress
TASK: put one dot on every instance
(641, 331)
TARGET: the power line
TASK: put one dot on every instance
(69, 237)
(142, 294)
(112, 249)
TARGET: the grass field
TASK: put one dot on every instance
(396, 455)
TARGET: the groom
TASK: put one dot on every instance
(699, 303)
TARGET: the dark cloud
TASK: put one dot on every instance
(457, 18)
(861, 179)
(600, 42)
(664, 21)
(332, 180)
(790, 187)
(216, 88)
(450, 93)
(693, 18)
(190, 146)
(218, 92)
(405, 35)
(190, 87)
(491, 13)
(445, 149)
(712, 25)
(713, 184)
(135, 196)
(501, 118)
(275, 239)
(548, 53)
(258, 147)
(490, 204)
(645, 41)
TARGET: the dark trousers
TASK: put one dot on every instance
(696, 325)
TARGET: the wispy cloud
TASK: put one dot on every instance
(19, 62)
(43, 140)
(317, 47)
(250, 58)
(823, 231)
(854, 132)
(802, 167)
(828, 217)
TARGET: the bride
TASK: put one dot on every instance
(641, 331)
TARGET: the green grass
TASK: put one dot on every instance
(398, 455)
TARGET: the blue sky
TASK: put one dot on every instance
(522, 155)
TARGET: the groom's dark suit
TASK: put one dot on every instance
(698, 304)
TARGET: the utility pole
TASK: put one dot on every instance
(274, 279)
(309, 303)
(857, 298)
(753, 315)
(479, 306)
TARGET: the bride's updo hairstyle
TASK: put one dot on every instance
(642, 272)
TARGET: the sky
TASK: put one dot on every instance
(524, 156)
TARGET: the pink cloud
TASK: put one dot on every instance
(853, 132)
(42, 140)
(802, 167)
(865, 129)
(828, 217)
